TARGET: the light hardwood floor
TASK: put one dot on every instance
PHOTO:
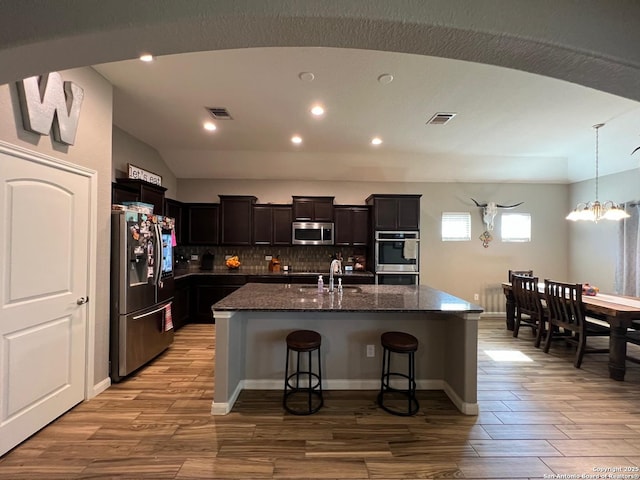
(537, 418)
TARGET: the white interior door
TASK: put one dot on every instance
(44, 251)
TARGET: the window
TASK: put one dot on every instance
(516, 227)
(456, 226)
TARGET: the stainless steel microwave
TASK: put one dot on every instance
(312, 233)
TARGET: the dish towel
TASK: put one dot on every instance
(168, 319)
(410, 250)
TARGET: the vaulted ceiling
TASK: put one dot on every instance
(510, 126)
(510, 69)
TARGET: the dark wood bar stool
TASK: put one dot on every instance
(402, 343)
(301, 341)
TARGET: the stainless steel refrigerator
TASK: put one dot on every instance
(141, 289)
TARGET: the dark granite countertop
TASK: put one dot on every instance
(181, 272)
(355, 298)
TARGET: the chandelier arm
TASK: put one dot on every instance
(597, 127)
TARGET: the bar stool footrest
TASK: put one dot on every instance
(410, 395)
(314, 390)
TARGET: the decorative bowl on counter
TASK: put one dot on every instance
(232, 263)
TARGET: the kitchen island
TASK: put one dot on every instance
(252, 323)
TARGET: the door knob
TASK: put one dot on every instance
(82, 300)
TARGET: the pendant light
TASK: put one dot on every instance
(595, 210)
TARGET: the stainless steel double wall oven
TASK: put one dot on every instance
(397, 257)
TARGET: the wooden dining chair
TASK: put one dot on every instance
(526, 273)
(529, 309)
(566, 314)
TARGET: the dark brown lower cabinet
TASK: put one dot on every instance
(180, 309)
(306, 279)
(209, 289)
(194, 295)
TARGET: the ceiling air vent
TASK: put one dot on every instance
(440, 118)
(219, 113)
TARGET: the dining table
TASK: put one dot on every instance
(617, 310)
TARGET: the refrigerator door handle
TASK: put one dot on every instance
(158, 254)
(137, 317)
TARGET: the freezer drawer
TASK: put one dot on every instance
(140, 337)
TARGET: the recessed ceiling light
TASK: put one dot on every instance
(147, 57)
(317, 110)
(210, 126)
(306, 76)
(376, 141)
(296, 139)
(385, 78)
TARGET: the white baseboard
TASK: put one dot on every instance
(222, 408)
(343, 384)
(493, 316)
(464, 407)
(100, 387)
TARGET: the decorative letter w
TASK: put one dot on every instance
(48, 102)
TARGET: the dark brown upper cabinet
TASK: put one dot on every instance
(146, 192)
(123, 193)
(272, 224)
(313, 209)
(202, 220)
(395, 212)
(236, 219)
(174, 209)
(351, 225)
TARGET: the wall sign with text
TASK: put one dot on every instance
(144, 175)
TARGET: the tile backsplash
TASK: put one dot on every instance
(299, 258)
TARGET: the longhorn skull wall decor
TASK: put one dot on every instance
(489, 211)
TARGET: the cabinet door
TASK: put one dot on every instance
(352, 225)
(396, 212)
(121, 193)
(180, 308)
(146, 192)
(303, 210)
(408, 213)
(360, 233)
(205, 296)
(314, 209)
(202, 224)
(323, 211)
(262, 224)
(281, 225)
(209, 291)
(173, 209)
(236, 215)
(153, 196)
(386, 213)
(343, 226)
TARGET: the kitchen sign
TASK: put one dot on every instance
(138, 173)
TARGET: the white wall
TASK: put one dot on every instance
(128, 149)
(593, 246)
(461, 268)
(92, 149)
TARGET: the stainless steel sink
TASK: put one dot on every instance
(345, 289)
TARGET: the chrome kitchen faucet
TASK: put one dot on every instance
(336, 265)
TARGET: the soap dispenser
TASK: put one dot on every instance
(320, 284)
